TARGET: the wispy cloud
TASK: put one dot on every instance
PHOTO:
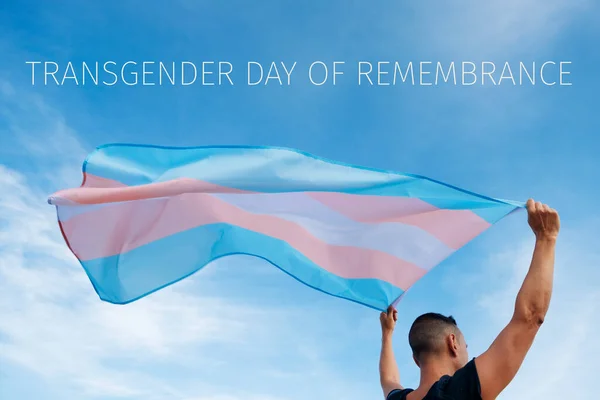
(496, 28)
(53, 323)
(563, 348)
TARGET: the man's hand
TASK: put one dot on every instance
(388, 320)
(543, 220)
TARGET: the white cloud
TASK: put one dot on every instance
(496, 28)
(564, 347)
(496, 31)
(54, 324)
(37, 134)
(52, 321)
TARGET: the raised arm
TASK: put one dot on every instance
(388, 369)
(500, 363)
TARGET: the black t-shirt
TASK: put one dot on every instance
(463, 385)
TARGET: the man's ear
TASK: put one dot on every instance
(453, 345)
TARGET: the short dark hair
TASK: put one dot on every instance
(427, 333)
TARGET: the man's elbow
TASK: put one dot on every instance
(532, 316)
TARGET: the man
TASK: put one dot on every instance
(439, 348)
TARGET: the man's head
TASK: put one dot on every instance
(434, 337)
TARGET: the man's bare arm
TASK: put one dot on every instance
(499, 364)
(388, 369)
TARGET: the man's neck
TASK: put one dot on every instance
(431, 372)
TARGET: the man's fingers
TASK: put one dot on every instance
(390, 310)
(530, 204)
(389, 314)
(538, 206)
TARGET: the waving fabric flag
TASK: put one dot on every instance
(146, 217)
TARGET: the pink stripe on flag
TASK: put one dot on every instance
(455, 228)
(121, 227)
(99, 182)
(116, 192)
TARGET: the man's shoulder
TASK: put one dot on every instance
(464, 384)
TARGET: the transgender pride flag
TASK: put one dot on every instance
(146, 217)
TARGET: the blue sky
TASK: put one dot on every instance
(240, 329)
